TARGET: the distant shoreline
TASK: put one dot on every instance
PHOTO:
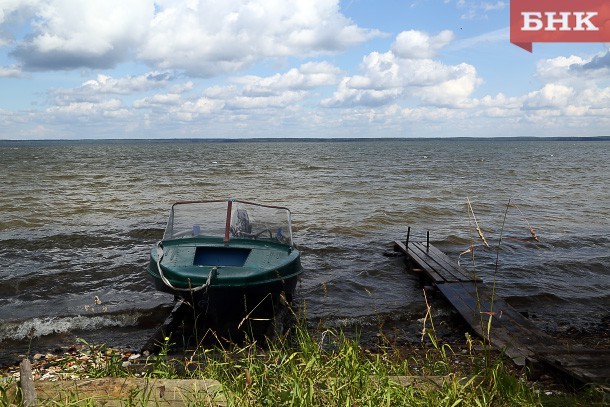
(296, 140)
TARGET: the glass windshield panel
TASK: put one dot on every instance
(247, 221)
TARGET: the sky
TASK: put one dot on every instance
(76, 69)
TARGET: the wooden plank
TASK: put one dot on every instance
(140, 391)
(430, 272)
(436, 263)
(509, 330)
(416, 250)
(457, 270)
(588, 366)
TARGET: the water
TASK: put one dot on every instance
(79, 218)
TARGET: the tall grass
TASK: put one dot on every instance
(328, 368)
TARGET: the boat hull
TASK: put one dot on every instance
(227, 284)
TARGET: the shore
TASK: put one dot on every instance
(447, 351)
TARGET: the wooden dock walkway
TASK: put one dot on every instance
(510, 331)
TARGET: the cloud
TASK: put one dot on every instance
(557, 69)
(419, 45)
(73, 34)
(191, 110)
(276, 91)
(406, 71)
(455, 90)
(12, 7)
(308, 76)
(597, 62)
(201, 37)
(207, 38)
(248, 94)
(95, 89)
(574, 70)
(87, 110)
(10, 71)
(550, 96)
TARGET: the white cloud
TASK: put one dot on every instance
(557, 69)
(279, 91)
(10, 71)
(407, 71)
(192, 110)
(207, 37)
(453, 92)
(128, 84)
(109, 107)
(498, 5)
(70, 34)
(158, 100)
(202, 37)
(418, 45)
(279, 100)
(550, 96)
(308, 76)
(94, 90)
(247, 94)
(575, 70)
(573, 86)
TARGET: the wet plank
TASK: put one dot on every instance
(509, 331)
(437, 265)
(420, 263)
(585, 365)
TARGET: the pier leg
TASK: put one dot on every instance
(27, 384)
(427, 240)
(407, 241)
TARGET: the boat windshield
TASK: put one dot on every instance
(229, 219)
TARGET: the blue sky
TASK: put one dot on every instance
(72, 69)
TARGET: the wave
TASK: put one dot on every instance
(19, 330)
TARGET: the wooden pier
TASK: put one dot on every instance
(509, 331)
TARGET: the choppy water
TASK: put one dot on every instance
(78, 219)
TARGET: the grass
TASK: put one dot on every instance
(326, 368)
(321, 367)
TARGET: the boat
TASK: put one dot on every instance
(229, 260)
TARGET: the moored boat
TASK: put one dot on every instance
(229, 259)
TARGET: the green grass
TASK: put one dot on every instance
(327, 368)
(323, 369)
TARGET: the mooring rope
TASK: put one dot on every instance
(160, 255)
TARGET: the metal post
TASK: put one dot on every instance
(228, 224)
(427, 240)
(407, 241)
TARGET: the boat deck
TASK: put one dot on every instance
(510, 331)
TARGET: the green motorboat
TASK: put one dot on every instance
(227, 258)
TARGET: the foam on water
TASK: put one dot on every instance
(37, 327)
